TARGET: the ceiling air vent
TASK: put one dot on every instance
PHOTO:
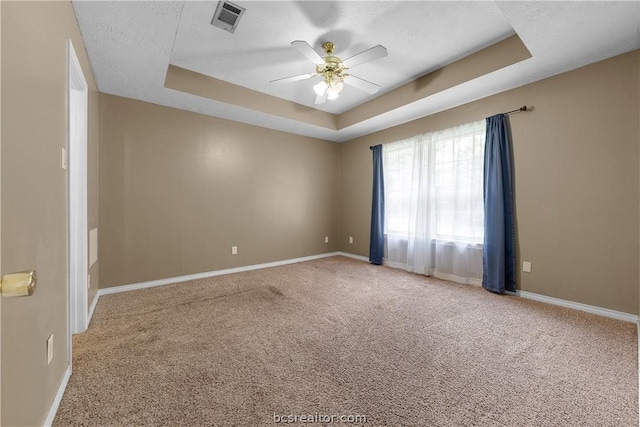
(227, 16)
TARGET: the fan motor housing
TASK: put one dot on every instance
(332, 64)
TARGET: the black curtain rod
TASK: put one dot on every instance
(519, 110)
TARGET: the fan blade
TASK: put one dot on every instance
(293, 78)
(363, 57)
(304, 48)
(362, 84)
(321, 99)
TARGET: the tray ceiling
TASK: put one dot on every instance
(135, 46)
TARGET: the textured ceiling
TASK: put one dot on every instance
(259, 51)
(132, 44)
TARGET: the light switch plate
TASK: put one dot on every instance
(63, 159)
(234, 250)
(526, 266)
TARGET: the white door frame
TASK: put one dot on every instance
(77, 104)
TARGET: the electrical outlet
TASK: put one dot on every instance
(63, 159)
(326, 239)
(49, 349)
(350, 239)
(526, 266)
(234, 250)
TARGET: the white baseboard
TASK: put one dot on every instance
(93, 307)
(523, 294)
(358, 257)
(627, 317)
(48, 422)
(168, 281)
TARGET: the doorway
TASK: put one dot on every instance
(77, 98)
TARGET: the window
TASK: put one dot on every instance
(434, 185)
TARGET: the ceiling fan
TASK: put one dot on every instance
(332, 70)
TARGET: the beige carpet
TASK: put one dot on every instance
(340, 337)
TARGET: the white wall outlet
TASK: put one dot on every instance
(234, 250)
(350, 239)
(526, 266)
(49, 349)
(326, 239)
(63, 158)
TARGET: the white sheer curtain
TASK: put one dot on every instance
(434, 210)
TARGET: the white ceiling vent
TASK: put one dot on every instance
(227, 16)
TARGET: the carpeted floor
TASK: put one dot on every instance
(340, 337)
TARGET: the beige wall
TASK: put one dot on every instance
(576, 181)
(34, 198)
(576, 172)
(178, 189)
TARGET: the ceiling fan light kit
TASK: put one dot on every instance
(333, 70)
(332, 73)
